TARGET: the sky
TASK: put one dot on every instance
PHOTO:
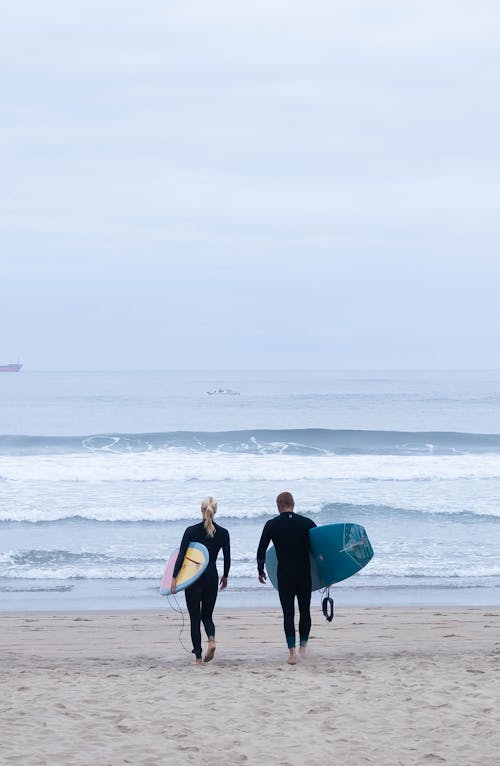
(309, 184)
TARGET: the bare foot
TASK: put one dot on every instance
(210, 652)
(197, 661)
(302, 652)
(292, 659)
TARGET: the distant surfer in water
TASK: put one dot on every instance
(202, 594)
(289, 532)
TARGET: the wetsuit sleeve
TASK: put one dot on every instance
(226, 550)
(265, 539)
(182, 553)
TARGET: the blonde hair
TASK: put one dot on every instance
(209, 509)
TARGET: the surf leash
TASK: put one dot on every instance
(179, 610)
(327, 604)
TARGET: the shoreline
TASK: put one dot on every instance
(143, 595)
(392, 686)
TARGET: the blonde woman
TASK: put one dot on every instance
(202, 594)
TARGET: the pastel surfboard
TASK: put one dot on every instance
(338, 551)
(194, 564)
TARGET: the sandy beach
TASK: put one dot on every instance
(380, 686)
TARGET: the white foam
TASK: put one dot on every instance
(172, 466)
(159, 486)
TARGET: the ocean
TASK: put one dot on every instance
(100, 472)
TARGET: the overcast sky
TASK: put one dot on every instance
(250, 183)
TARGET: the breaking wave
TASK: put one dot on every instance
(302, 442)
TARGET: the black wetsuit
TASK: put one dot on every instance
(202, 594)
(290, 534)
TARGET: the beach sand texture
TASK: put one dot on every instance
(380, 686)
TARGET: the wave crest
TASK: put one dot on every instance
(307, 441)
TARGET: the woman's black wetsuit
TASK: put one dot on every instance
(202, 594)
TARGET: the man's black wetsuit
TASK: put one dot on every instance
(289, 533)
(202, 594)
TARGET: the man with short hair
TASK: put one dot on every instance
(289, 532)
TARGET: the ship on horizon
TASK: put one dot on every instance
(13, 367)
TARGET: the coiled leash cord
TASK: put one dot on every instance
(327, 604)
(179, 610)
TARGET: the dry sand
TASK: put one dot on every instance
(380, 686)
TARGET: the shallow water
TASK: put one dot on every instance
(101, 472)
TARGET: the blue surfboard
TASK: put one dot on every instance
(338, 551)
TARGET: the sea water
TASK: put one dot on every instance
(100, 473)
